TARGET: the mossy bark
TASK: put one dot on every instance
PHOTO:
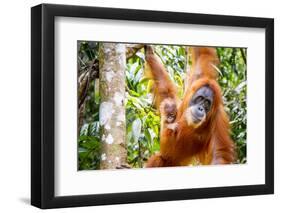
(112, 65)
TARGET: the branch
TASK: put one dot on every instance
(132, 49)
(86, 76)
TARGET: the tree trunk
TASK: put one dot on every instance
(112, 64)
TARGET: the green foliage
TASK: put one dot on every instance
(87, 51)
(234, 86)
(88, 140)
(89, 147)
(142, 120)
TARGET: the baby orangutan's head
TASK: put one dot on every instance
(168, 108)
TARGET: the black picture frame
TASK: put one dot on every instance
(43, 117)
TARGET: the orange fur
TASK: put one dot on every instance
(208, 143)
(163, 86)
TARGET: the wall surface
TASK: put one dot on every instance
(15, 105)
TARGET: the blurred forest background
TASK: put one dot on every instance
(142, 119)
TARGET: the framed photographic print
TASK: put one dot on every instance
(140, 106)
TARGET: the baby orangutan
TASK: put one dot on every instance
(168, 110)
